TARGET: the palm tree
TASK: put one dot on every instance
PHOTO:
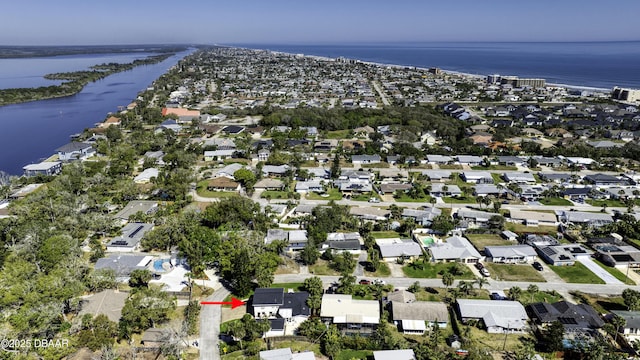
(481, 281)
(514, 293)
(465, 287)
(532, 290)
(447, 279)
(618, 322)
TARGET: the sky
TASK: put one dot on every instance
(87, 22)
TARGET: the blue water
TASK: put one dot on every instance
(32, 131)
(157, 264)
(588, 64)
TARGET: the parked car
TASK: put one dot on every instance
(496, 296)
(365, 282)
(479, 266)
(485, 272)
(537, 266)
(374, 200)
(379, 281)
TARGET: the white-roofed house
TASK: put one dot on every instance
(519, 177)
(454, 249)
(401, 354)
(145, 176)
(510, 254)
(477, 177)
(499, 317)
(43, 168)
(533, 218)
(392, 249)
(349, 315)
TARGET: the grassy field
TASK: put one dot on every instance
(459, 200)
(365, 197)
(510, 272)
(440, 294)
(321, 267)
(601, 304)
(354, 354)
(337, 134)
(406, 198)
(431, 270)
(495, 167)
(555, 201)
(616, 273)
(608, 202)
(385, 234)
(524, 229)
(482, 240)
(450, 166)
(383, 271)
(577, 273)
(273, 194)
(333, 194)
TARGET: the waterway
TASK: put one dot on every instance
(32, 131)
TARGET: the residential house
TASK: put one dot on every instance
(305, 187)
(401, 296)
(369, 213)
(557, 178)
(439, 159)
(574, 317)
(437, 175)
(275, 170)
(123, 265)
(475, 218)
(498, 317)
(548, 161)
(562, 255)
(155, 156)
(219, 155)
(606, 180)
(45, 168)
(488, 190)
(228, 170)
(618, 255)
(343, 242)
(440, 189)
(477, 177)
(577, 194)
(170, 125)
(75, 151)
(132, 234)
(145, 207)
(511, 254)
(509, 235)
(233, 129)
(454, 249)
(349, 315)
(223, 184)
(285, 310)
(146, 176)
(269, 184)
(631, 328)
(415, 318)
(391, 188)
(585, 218)
(511, 160)
(392, 249)
(365, 159)
(422, 217)
(326, 145)
(470, 160)
(519, 177)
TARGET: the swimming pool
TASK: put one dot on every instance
(427, 241)
(158, 265)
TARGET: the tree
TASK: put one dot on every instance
(514, 293)
(465, 287)
(374, 259)
(344, 262)
(237, 330)
(144, 309)
(442, 224)
(331, 343)
(618, 323)
(97, 332)
(447, 279)
(481, 281)
(532, 289)
(414, 288)
(242, 274)
(552, 336)
(346, 283)
(309, 254)
(246, 177)
(315, 288)
(139, 278)
(631, 299)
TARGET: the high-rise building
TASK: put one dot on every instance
(624, 94)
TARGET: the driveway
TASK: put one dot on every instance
(210, 318)
(599, 271)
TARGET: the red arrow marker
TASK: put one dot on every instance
(234, 303)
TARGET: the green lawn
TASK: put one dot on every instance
(523, 229)
(337, 134)
(459, 200)
(332, 194)
(432, 270)
(385, 234)
(321, 267)
(577, 273)
(482, 240)
(365, 197)
(512, 272)
(616, 273)
(376, 165)
(555, 201)
(354, 354)
(383, 271)
(272, 194)
(406, 198)
(496, 178)
(450, 166)
(495, 167)
(608, 202)
(202, 190)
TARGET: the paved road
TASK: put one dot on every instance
(599, 271)
(210, 319)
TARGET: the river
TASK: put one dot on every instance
(32, 131)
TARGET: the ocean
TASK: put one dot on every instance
(601, 65)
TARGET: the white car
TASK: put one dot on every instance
(485, 272)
